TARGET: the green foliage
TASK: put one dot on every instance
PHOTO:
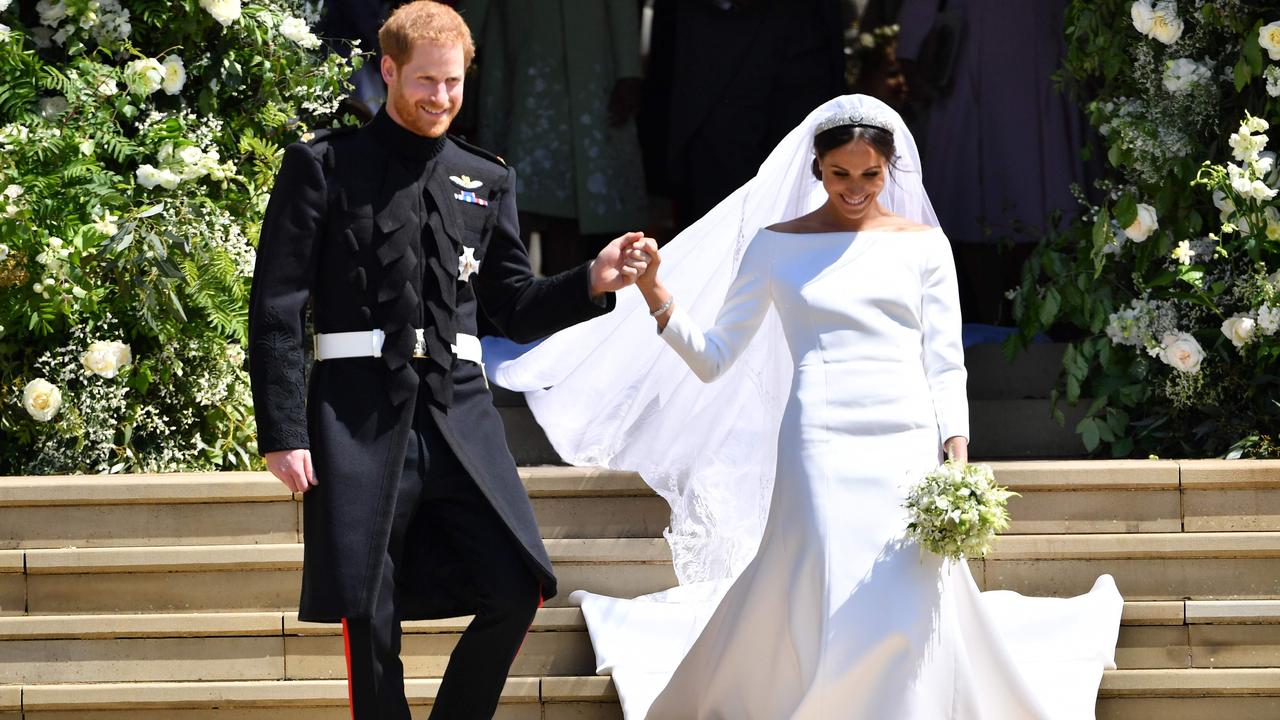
(139, 140)
(1178, 246)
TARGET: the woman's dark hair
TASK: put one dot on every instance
(841, 135)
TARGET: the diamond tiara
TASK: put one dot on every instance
(855, 118)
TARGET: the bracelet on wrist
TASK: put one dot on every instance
(662, 308)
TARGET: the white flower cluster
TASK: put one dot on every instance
(956, 510)
(1152, 144)
(1249, 180)
(105, 20)
(1159, 21)
(148, 75)
(10, 199)
(224, 11)
(1181, 74)
(1244, 329)
(1182, 352)
(1140, 324)
(189, 163)
(297, 30)
(106, 358)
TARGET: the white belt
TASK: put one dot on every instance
(368, 343)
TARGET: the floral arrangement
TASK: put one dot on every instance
(1169, 284)
(956, 510)
(138, 144)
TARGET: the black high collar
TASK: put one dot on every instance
(402, 141)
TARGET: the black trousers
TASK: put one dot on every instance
(435, 484)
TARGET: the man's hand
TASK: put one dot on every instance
(619, 264)
(293, 468)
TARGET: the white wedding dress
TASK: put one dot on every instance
(837, 617)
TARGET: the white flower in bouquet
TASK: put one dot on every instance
(1143, 225)
(144, 76)
(1269, 39)
(1183, 252)
(224, 11)
(1272, 76)
(1160, 21)
(108, 87)
(1181, 352)
(13, 192)
(149, 176)
(1239, 329)
(4, 251)
(1182, 73)
(296, 29)
(1269, 319)
(1255, 124)
(52, 107)
(106, 358)
(106, 223)
(51, 12)
(956, 510)
(4, 5)
(1246, 146)
(41, 399)
(175, 75)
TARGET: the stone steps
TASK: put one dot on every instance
(207, 647)
(1057, 497)
(173, 596)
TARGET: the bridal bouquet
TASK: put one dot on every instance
(957, 509)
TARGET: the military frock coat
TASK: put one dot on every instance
(356, 223)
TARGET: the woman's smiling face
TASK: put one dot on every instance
(853, 176)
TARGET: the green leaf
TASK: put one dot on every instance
(1252, 50)
(1049, 306)
(1243, 73)
(154, 209)
(1162, 279)
(1088, 431)
(1126, 210)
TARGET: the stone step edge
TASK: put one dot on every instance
(570, 619)
(566, 481)
(651, 551)
(586, 689)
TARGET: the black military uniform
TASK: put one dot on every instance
(419, 512)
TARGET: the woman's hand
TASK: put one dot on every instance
(957, 449)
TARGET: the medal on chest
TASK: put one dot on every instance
(468, 265)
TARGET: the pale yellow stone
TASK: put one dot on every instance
(609, 550)
(1172, 612)
(427, 655)
(1043, 475)
(1235, 646)
(1236, 612)
(1232, 509)
(602, 517)
(13, 594)
(1153, 646)
(140, 489)
(10, 698)
(193, 558)
(617, 580)
(545, 620)
(1141, 579)
(65, 627)
(581, 711)
(1190, 682)
(554, 481)
(151, 659)
(156, 592)
(1188, 708)
(1137, 545)
(60, 526)
(1205, 474)
(1095, 511)
(578, 689)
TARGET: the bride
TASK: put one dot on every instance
(836, 345)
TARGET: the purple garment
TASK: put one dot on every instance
(1002, 148)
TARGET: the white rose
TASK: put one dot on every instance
(1272, 76)
(1182, 73)
(1166, 26)
(4, 5)
(1143, 225)
(296, 29)
(1239, 329)
(106, 358)
(52, 107)
(13, 192)
(50, 13)
(224, 11)
(1182, 352)
(1269, 39)
(148, 177)
(175, 75)
(108, 87)
(168, 179)
(41, 399)
(144, 76)
(1143, 16)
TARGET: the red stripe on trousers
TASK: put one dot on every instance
(526, 633)
(346, 647)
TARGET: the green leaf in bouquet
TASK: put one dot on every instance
(1089, 435)
(1126, 210)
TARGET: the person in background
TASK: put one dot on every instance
(556, 94)
(726, 80)
(1002, 142)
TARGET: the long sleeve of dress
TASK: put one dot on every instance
(943, 350)
(710, 354)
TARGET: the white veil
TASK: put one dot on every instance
(610, 393)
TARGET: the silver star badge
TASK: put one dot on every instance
(468, 265)
(465, 182)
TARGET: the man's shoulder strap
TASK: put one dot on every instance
(478, 151)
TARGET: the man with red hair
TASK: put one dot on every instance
(396, 235)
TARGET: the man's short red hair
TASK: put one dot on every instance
(428, 20)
